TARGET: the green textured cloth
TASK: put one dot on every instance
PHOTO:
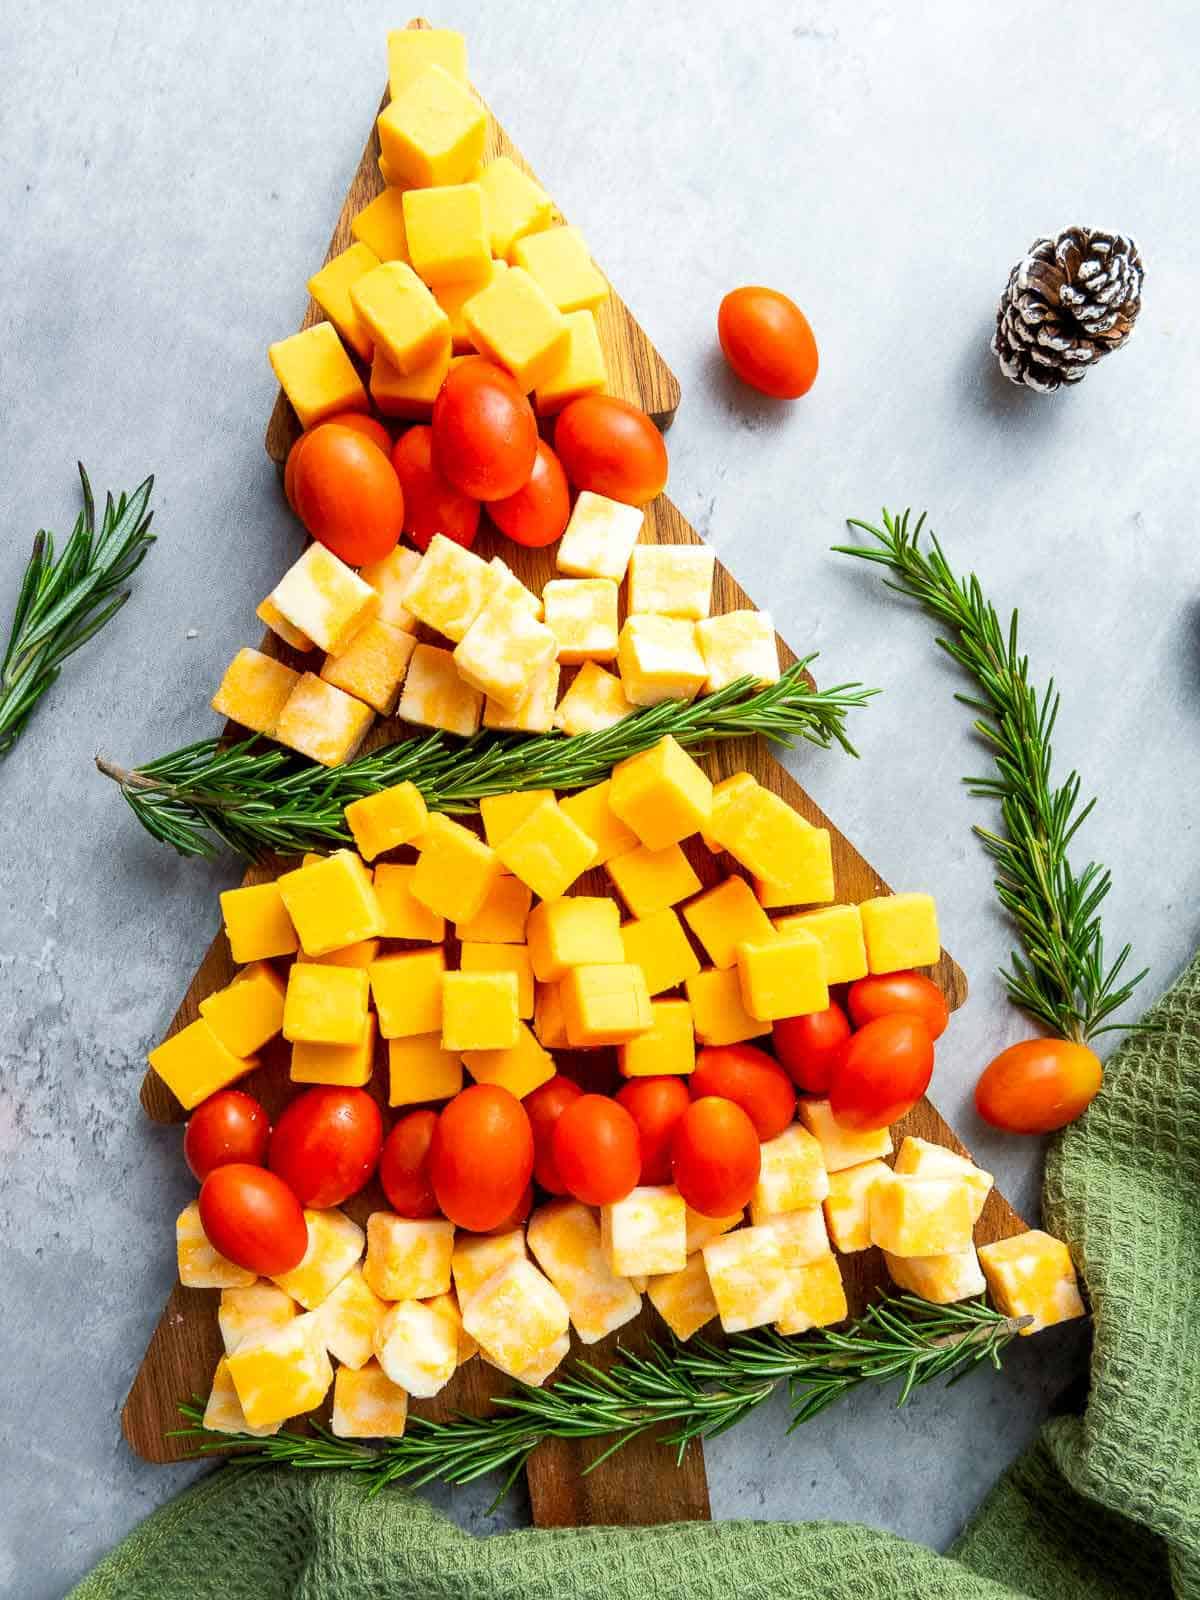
(1104, 1505)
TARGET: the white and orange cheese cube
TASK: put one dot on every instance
(1031, 1275)
(596, 700)
(700, 1229)
(582, 615)
(266, 611)
(324, 598)
(372, 666)
(201, 1266)
(417, 1348)
(792, 1176)
(748, 1277)
(504, 650)
(446, 1305)
(434, 696)
(224, 1414)
(658, 659)
(646, 1232)
(245, 1315)
(921, 1216)
(919, 1158)
(367, 1404)
(801, 1234)
(449, 588)
(254, 690)
(507, 589)
(671, 580)
(335, 1244)
(349, 1316)
(538, 1370)
(323, 722)
(847, 1205)
(599, 538)
(738, 644)
(684, 1299)
(841, 1147)
(566, 1242)
(941, 1279)
(478, 1255)
(514, 1315)
(390, 577)
(816, 1297)
(407, 1259)
(534, 713)
(283, 1375)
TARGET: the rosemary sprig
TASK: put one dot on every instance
(62, 603)
(1062, 978)
(685, 1392)
(255, 797)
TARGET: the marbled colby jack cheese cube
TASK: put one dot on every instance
(224, 1414)
(285, 1375)
(323, 722)
(449, 588)
(941, 1279)
(334, 1245)
(748, 1277)
(684, 1299)
(816, 1297)
(646, 1232)
(407, 1260)
(921, 1216)
(324, 598)
(534, 713)
(1031, 1274)
(847, 1205)
(919, 1158)
(515, 1315)
(478, 1256)
(672, 580)
(504, 650)
(417, 1348)
(595, 700)
(434, 696)
(367, 1404)
(348, 1318)
(582, 615)
(792, 1176)
(599, 538)
(200, 1265)
(248, 1314)
(659, 659)
(565, 1239)
(841, 1147)
(801, 1234)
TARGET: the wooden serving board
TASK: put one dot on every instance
(640, 1484)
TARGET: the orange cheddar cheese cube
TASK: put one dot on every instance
(359, 954)
(325, 598)
(920, 1216)
(477, 1256)
(747, 1276)
(477, 957)
(420, 1070)
(433, 131)
(847, 1205)
(503, 813)
(580, 370)
(479, 1011)
(248, 1012)
(515, 204)
(387, 819)
(547, 851)
(565, 933)
(582, 615)
(447, 233)
(548, 1026)
(449, 588)
(201, 1266)
(254, 691)
(1031, 1275)
(662, 794)
(659, 946)
(816, 1297)
(515, 1315)
(257, 924)
(345, 1065)
(245, 1315)
(684, 1299)
(404, 319)
(901, 931)
(455, 871)
(723, 793)
(841, 1147)
(193, 1063)
(782, 976)
(406, 1259)
(403, 916)
(646, 1232)
(671, 580)
(718, 1014)
(810, 873)
(335, 1244)
(380, 225)
(411, 50)
(956, 1275)
(408, 394)
(838, 930)
(919, 1158)
(504, 650)
(323, 722)
(738, 644)
(453, 297)
(792, 1176)
(534, 713)
(407, 991)
(502, 917)
(367, 1404)
(599, 537)
(565, 1240)
(325, 1005)
(330, 288)
(762, 832)
(267, 611)
(652, 880)
(558, 260)
(668, 1047)
(390, 577)
(417, 1348)
(332, 903)
(223, 1412)
(372, 666)
(659, 659)
(434, 696)
(515, 323)
(596, 700)
(726, 916)
(521, 1068)
(284, 1375)
(590, 809)
(316, 374)
(604, 1004)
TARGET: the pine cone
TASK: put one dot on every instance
(1069, 301)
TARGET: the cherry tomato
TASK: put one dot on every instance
(544, 1107)
(326, 1144)
(1038, 1085)
(484, 431)
(228, 1126)
(883, 1071)
(596, 1150)
(481, 1157)
(749, 1078)
(908, 992)
(808, 1046)
(369, 426)
(253, 1218)
(612, 448)
(715, 1157)
(404, 1166)
(431, 504)
(347, 494)
(537, 514)
(519, 1215)
(656, 1105)
(768, 342)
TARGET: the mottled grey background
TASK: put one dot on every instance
(170, 176)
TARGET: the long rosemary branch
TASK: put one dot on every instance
(1062, 978)
(256, 798)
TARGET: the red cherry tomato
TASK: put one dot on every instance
(544, 1107)
(484, 431)
(481, 1157)
(347, 494)
(656, 1105)
(253, 1218)
(404, 1166)
(519, 1215)
(596, 1150)
(749, 1078)
(809, 1046)
(612, 448)
(908, 992)
(715, 1157)
(537, 514)
(228, 1126)
(883, 1071)
(1038, 1085)
(768, 342)
(326, 1144)
(359, 420)
(431, 504)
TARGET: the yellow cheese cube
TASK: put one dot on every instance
(411, 50)
(658, 659)
(669, 1046)
(723, 793)
(652, 880)
(738, 644)
(390, 577)
(503, 650)
(901, 931)
(782, 976)
(406, 1259)
(254, 691)
(506, 586)
(514, 958)
(748, 1278)
(599, 538)
(433, 131)
(332, 903)
(847, 1205)
(408, 394)
(479, 1011)
(387, 819)
(838, 930)
(571, 932)
(446, 1305)
(478, 1255)
(534, 713)
(373, 665)
(520, 1069)
(267, 611)
(920, 1216)
(538, 1370)
(330, 288)
(200, 1265)
(918, 1158)
(256, 923)
(449, 588)
(590, 809)
(548, 1025)
(580, 369)
(453, 297)
(346, 1065)
(515, 1315)
(582, 614)
(841, 1147)
(224, 1414)
(515, 204)
(595, 701)
(671, 580)
(547, 851)
(515, 323)
(558, 260)
(942, 1279)
(447, 233)
(684, 1299)
(659, 946)
(762, 832)
(436, 697)
(417, 1348)
(565, 1239)
(502, 917)
(335, 1244)
(718, 1014)
(700, 1229)
(792, 1176)
(662, 794)
(816, 1297)
(405, 321)
(248, 1012)
(503, 813)
(726, 916)
(403, 916)
(245, 1315)
(193, 1063)
(359, 954)
(407, 991)
(645, 1232)
(367, 1404)
(604, 1005)
(325, 597)
(1031, 1275)
(801, 1234)
(810, 873)
(380, 225)
(316, 374)
(286, 1374)
(455, 871)
(420, 1070)
(323, 722)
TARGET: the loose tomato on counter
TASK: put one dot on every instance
(715, 1157)
(404, 1166)
(656, 1105)
(881, 1073)
(369, 427)
(485, 434)
(431, 503)
(809, 1046)
(1038, 1085)
(481, 1157)
(228, 1126)
(768, 342)
(539, 511)
(543, 1107)
(596, 1150)
(326, 1144)
(253, 1218)
(612, 448)
(909, 992)
(752, 1080)
(346, 493)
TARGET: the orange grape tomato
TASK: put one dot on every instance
(752, 1080)
(537, 514)
(1038, 1085)
(481, 1157)
(431, 504)
(909, 992)
(596, 1150)
(544, 1106)
(612, 448)
(883, 1071)
(228, 1126)
(404, 1166)
(808, 1046)
(253, 1218)
(326, 1144)
(656, 1105)
(768, 342)
(484, 431)
(715, 1157)
(347, 494)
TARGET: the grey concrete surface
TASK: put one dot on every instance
(169, 177)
